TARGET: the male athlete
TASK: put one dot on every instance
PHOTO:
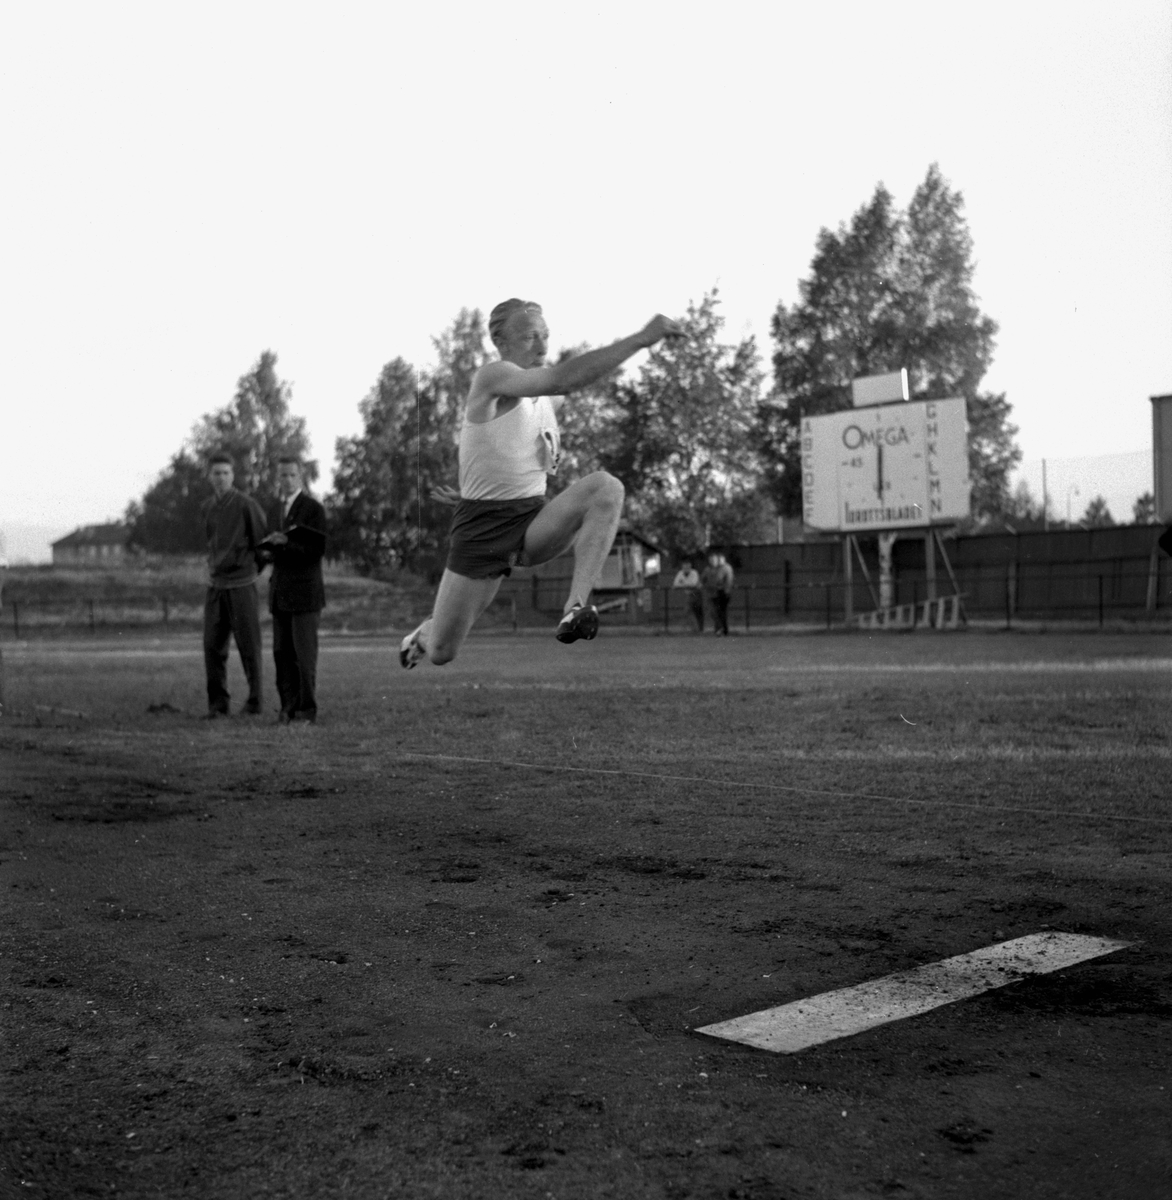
(509, 442)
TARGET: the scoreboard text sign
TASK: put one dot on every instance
(891, 467)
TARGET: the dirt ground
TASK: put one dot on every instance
(454, 940)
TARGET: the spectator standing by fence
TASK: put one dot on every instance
(687, 577)
(235, 526)
(718, 584)
(296, 592)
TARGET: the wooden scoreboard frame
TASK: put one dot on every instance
(886, 467)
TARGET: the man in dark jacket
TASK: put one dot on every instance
(234, 526)
(718, 583)
(296, 593)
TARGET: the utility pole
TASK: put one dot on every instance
(1045, 500)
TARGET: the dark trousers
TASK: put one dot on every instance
(720, 611)
(234, 611)
(696, 608)
(295, 654)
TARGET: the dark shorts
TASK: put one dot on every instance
(488, 536)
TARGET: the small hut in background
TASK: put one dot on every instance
(92, 546)
(623, 591)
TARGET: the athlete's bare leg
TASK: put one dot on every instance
(585, 516)
(458, 604)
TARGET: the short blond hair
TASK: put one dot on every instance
(498, 318)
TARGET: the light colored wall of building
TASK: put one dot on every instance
(1162, 456)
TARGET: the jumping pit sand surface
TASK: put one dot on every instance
(455, 941)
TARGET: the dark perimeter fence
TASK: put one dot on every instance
(1103, 576)
(1099, 576)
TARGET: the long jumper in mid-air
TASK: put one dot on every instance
(509, 443)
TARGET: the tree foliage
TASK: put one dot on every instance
(1023, 507)
(375, 490)
(589, 422)
(380, 511)
(892, 289)
(1097, 515)
(677, 434)
(993, 452)
(705, 458)
(255, 428)
(1143, 511)
(167, 520)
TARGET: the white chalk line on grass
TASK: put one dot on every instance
(1034, 667)
(998, 753)
(851, 1010)
(29, 650)
(1037, 667)
(988, 810)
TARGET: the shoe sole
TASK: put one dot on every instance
(582, 627)
(411, 653)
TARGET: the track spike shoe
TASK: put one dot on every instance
(412, 651)
(579, 624)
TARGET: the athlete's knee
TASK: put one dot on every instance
(608, 491)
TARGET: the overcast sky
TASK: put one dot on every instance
(188, 185)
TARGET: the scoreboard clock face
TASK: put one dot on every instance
(893, 466)
(881, 468)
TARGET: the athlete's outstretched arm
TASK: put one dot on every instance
(508, 379)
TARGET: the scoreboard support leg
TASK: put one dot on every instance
(866, 574)
(951, 573)
(849, 543)
(886, 571)
(848, 592)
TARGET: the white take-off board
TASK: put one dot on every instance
(895, 466)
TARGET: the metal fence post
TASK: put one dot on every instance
(666, 593)
(1100, 601)
(746, 590)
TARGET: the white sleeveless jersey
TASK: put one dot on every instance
(509, 457)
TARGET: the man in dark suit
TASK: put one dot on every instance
(296, 592)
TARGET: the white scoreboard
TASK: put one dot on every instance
(894, 466)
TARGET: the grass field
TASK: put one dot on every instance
(454, 940)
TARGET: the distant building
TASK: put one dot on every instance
(92, 546)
